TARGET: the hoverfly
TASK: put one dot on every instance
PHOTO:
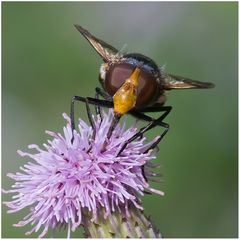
(132, 83)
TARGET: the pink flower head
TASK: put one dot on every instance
(65, 178)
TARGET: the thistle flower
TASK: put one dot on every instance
(68, 185)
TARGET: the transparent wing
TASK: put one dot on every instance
(177, 82)
(106, 51)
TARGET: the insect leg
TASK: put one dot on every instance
(103, 94)
(156, 108)
(90, 118)
(100, 92)
(152, 123)
(147, 118)
(97, 108)
(93, 101)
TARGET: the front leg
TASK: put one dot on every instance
(102, 93)
(87, 101)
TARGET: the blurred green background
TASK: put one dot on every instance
(45, 61)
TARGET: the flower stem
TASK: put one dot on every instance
(116, 225)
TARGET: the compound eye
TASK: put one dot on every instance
(116, 76)
(148, 86)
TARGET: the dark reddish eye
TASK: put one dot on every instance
(148, 87)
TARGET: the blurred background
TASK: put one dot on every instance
(45, 61)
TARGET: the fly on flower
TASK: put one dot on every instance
(132, 83)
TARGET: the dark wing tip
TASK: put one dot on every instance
(80, 29)
(178, 82)
(209, 85)
(198, 84)
(76, 25)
